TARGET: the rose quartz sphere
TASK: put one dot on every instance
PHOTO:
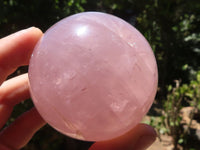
(93, 76)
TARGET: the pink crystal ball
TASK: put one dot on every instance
(93, 76)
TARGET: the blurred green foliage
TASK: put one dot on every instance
(170, 26)
(178, 97)
(170, 121)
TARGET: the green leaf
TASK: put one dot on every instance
(198, 77)
(169, 88)
(114, 6)
(180, 141)
(189, 94)
(171, 123)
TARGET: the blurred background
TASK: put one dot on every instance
(172, 28)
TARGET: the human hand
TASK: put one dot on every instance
(15, 51)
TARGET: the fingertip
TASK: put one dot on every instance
(147, 137)
(33, 35)
(35, 32)
(148, 130)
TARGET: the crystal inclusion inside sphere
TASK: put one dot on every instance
(93, 76)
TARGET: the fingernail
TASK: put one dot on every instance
(144, 142)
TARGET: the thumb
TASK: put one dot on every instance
(139, 138)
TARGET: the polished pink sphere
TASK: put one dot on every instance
(93, 76)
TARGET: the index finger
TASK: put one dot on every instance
(16, 49)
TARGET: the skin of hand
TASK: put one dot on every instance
(15, 51)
